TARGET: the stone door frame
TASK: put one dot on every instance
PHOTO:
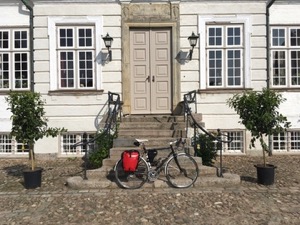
(137, 15)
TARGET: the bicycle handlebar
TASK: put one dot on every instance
(178, 141)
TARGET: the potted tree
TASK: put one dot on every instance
(29, 124)
(258, 111)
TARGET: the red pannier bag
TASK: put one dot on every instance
(130, 160)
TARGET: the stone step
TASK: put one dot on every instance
(228, 180)
(108, 164)
(152, 125)
(152, 118)
(107, 170)
(151, 133)
(115, 153)
(152, 141)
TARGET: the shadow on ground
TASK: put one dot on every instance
(15, 170)
(249, 179)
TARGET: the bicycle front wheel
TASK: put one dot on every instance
(131, 180)
(181, 170)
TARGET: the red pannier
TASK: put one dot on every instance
(130, 159)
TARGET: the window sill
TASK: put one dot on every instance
(75, 92)
(222, 90)
(6, 92)
(297, 89)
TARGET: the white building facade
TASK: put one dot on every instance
(242, 45)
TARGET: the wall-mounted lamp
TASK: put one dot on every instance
(193, 41)
(108, 41)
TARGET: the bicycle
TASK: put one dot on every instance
(181, 170)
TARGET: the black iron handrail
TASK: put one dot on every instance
(114, 111)
(189, 98)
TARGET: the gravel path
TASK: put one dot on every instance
(248, 203)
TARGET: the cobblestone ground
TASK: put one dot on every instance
(248, 203)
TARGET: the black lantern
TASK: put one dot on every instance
(193, 42)
(108, 41)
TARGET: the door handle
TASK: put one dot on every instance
(153, 78)
(148, 78)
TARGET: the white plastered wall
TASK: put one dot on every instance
(10, 16)
(75, 112)
(212, 104)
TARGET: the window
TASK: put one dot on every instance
(285, 51)
(75, 44)
(14, 59)
(76, 56)
(68, 141)
(8, 145)
(225, 60)
(287, 141)
(224, 50)
(237, 144)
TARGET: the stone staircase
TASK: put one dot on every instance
(159, 131)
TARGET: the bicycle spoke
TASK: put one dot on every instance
(131, 180)
(182, 172)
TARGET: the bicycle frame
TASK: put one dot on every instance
(162, 164)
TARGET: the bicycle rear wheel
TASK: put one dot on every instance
(181, 171)
(131, 180)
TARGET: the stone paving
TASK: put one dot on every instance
(247, 203)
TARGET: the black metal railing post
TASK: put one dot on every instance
(84, 142)
(219, 147)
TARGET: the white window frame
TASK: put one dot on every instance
(231, 147)
(224, 48)
(53, 23)
(14, 145)
(11, 51)
(76, 50)
(285, 143)
(287, 48)
(203, 21)
(67, 149)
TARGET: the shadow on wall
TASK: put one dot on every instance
(182, 57)
(179, 109)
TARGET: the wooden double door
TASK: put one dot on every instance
(150, 66)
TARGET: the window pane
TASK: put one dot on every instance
(279, 68)
(237, 144)
(215, 68)
(5, 143)
(279, 141)
(4, 40)
(20, 39)
(22, 148)
(278, 37)
(85, 37)
(67, 69)
(21, 72)
(215, 36)
(68, 141)
(295, 140)
(4, 71)
(234, 67)
(295, 67)
(66, 37)
(295, 37)
(86, 69)
(233, 37)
